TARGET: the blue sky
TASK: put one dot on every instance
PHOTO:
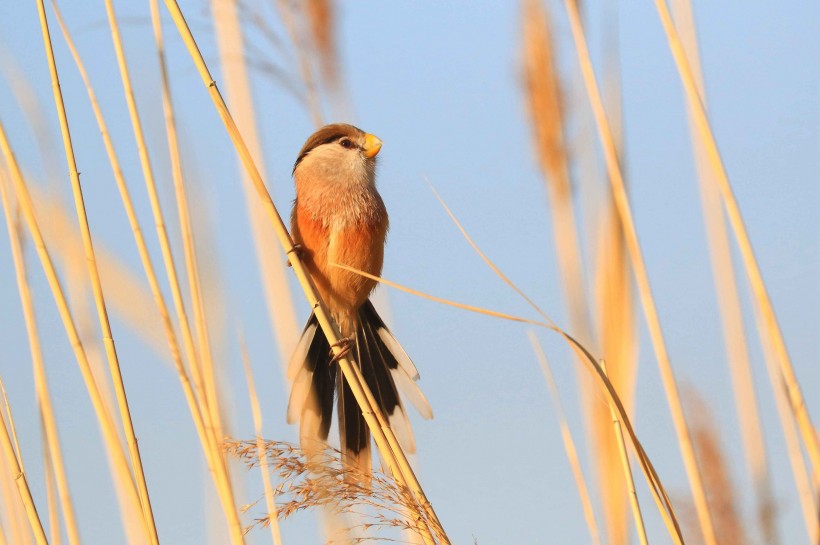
(440, 84)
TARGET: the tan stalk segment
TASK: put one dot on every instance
(240, 99)
(108, 339)
(746, 405)
(212, 446)
(382, 433)
(115, 449)
(642, 277)
(20, 478)
(261, 451)
(770, 328)
(51, 436)
(630, 482)
(569, 443)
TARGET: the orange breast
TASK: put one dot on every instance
(358, 244)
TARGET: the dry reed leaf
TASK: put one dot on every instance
(658, 491)
(656, 487)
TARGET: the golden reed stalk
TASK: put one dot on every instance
(382, 433)
(108, 339)
(117, 456)
(770, 328)
(642, 277)
(49, 424)
(746, 405)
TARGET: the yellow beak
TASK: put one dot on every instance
(372, 145)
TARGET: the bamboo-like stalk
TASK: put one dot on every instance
(642, 278)
(211, 400)
(128, 205)
(769, 326)
(256, 412)
(115, 449)
(634, 504)
(240, 99)
(382, 433)
(569, 443)
(159, 220)
(209, 448)
(222, 473)
(746, 405)
(20, 480)
(99, 299)
(201, 332)
(49, 424)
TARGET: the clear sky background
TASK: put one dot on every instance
(440, 83)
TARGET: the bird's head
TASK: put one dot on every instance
(338, 154)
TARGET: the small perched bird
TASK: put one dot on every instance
(339, 218)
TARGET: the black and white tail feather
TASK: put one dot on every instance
(317, 380)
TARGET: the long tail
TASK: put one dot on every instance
(317, 380)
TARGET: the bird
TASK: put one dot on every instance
(339, 217)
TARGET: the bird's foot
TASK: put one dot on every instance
(344, 345)
(297, 249)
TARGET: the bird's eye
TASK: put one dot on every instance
(346, 143)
